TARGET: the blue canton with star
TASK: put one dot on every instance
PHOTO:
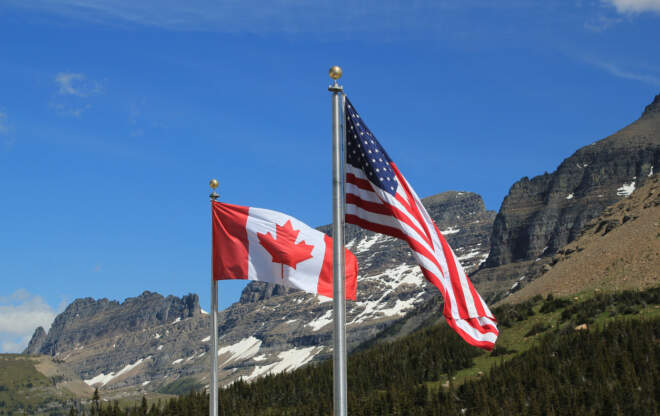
(364, 152)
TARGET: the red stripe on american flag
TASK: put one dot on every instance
(481, 311)
(360, 183)
(389, 210)
(374, 207)
(487, 345)
(455, 278)
(413, 208)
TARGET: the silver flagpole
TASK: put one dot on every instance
(213, 385)
(338, 286)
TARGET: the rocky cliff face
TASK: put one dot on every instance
(150, 341)
(619, 250)
(542, 214)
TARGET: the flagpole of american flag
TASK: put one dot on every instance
(213, 385)
(340, 402)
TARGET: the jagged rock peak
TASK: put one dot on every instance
(38, 339)
(653, 108)
(87, 319)
(258, 291)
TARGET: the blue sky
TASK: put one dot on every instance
(114, 115)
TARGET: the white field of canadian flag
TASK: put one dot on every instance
(270, 246)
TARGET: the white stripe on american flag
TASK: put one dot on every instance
(379, 209)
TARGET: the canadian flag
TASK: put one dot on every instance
(269, 246)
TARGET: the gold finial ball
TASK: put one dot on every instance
(335, 72)
(213, 183)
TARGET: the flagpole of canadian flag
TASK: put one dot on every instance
(340, 403)
(213, 385)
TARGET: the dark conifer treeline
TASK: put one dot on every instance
(612, 371)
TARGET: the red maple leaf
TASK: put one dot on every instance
(283, 247)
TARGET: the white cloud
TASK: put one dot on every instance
(72, 110)
(601, 23)
(72, 83)
(4, 129)
(74, 90)
(7, 140)
(282, 16)
(635, 6)
(20, 314)
(620, 72)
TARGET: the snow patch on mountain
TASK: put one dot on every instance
(367, 243)
(288, 361)
(470, 255)
(242, 350)
(323, 299)
(103, 379)
(320, 322)
(626, 189)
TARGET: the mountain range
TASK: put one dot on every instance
(583, 219)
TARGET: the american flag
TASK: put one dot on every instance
(378, 198)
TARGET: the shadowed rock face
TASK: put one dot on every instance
(542, 214)
(619, 250)
(155, 340)
(37, 341)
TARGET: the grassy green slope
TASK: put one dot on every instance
(25, 390)
(522, 324)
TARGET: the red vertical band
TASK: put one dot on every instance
(351, 268)
(324, 286)
(230, 241)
